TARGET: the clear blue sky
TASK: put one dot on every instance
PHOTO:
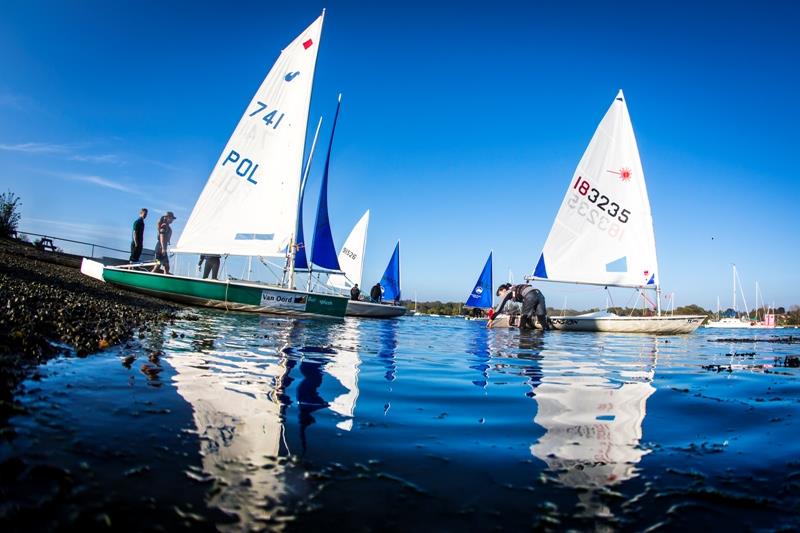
(461, 124)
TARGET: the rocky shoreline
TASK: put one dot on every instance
(48, 308)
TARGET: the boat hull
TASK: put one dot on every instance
(374, 310)
(230, 295)
(660, 325)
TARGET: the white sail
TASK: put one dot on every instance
(249, 204)
(603, 233)
(351, 258)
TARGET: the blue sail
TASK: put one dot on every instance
(390, 282)
(481, 295)
(300, 261)
(323, 252)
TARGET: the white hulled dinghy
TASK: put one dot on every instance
(351, 260)
(603, 232)
(249, 206)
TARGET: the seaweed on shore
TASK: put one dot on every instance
(47, 307)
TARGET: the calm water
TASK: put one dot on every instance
(238, 421)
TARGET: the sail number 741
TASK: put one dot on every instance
(270, 117)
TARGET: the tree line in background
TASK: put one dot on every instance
(783, 316)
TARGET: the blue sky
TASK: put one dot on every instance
(460, 129)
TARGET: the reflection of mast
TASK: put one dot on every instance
(592, 415)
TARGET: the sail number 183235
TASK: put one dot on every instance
(602, 201)
(597, 209)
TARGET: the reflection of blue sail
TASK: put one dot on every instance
(479, 347)
(308, 398)
(390, 282)
(323, 251)
(481, 295)
(388, 346)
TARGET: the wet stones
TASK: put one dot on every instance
(48, 307)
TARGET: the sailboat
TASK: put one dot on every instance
(743, 322)
(351, 261)
(481, 295)
(603, 232)
(390, 287)
(250, 203)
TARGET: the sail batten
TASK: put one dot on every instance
(254, 187)
(603, 232)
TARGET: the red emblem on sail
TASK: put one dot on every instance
(308, 44)
(624, 173)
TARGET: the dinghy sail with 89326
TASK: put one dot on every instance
(603, 232)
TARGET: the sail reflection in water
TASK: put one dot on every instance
(592, 411)
(237, 383)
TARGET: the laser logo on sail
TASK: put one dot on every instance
(624, 173)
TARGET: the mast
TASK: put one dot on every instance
(734, 290)
(299, 198)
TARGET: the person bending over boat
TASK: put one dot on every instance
(532, 301)
(162, 245)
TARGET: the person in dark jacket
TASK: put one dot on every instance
(162, 244)
(212, 265)
(137, 238)
(532, 300)
(355, 292)
(376, 293)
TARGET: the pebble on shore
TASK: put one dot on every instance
(46, 301)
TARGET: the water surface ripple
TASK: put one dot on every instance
(239, 421)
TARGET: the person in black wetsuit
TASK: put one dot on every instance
(355, 292)
(376, 293)
(137, 238)
(532, 300)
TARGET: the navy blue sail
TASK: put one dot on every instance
(300, 261)
(481, 295)
(390, 282)
(323, 252)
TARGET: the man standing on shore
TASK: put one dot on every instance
(138, 236)
(164, 236)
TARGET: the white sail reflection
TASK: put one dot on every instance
(238, 390)
(345, 367)
(592, 411)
